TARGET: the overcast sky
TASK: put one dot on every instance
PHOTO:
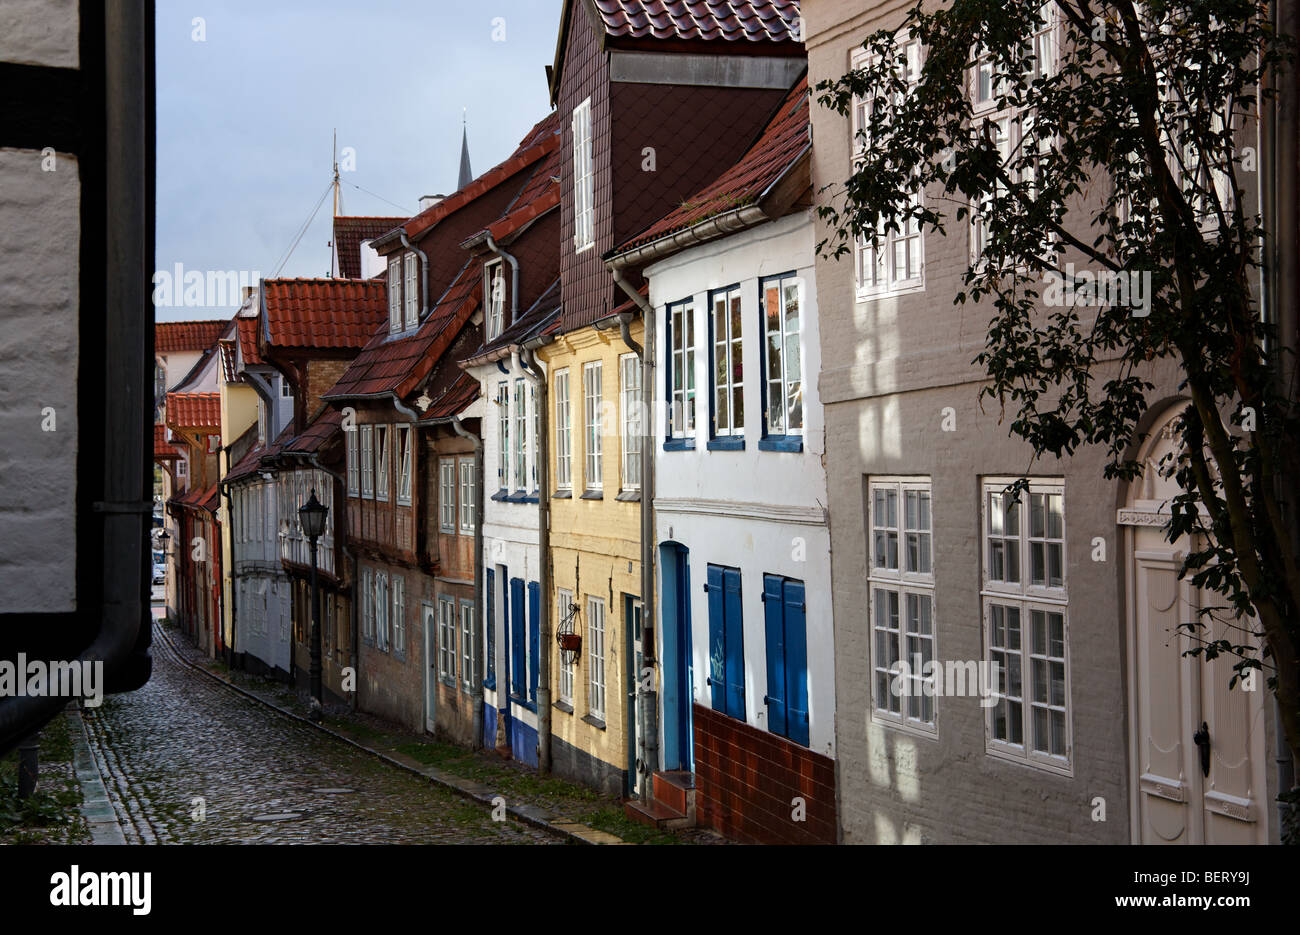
(245, 117)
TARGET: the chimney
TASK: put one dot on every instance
(428, 201)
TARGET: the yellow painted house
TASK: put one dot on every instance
(239, 413)
(593, 442)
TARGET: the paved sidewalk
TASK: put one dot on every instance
(98, 811)
(562, 808)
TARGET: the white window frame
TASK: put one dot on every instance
(447, 639)
(563, 432)
(681, 367)
(382, 447)
(381, 610)
(494, 297)
(520, 451)
(596, 700)
(1026, 599)
(629, 391)
(411, 293)
(876, 270)
(503, 441)
(367, 461)
(584, 209)
(563, 604)
(354, 462)
(394, 296)
(398, 587)
(467, 649)
(465, 476)
(404, 456)
(593, 374)
(783, 283)
(727, 314)
(447, 496)
(894, 586)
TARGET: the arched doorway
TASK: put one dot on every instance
(1178, 799)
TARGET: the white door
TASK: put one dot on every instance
(429, 616)
(1181, 705)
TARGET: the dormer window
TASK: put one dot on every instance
(394, 296)
(495, 300)
(412, 293)
(584, 209)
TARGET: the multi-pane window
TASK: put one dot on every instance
(521, 434)
(563, 433)
(1025, 589)
(503, 452)
(381, 609)
(894, 261)
(466, 467)
(681, 370)
(367, 461)
(394, 296)
(381, 462)
(404, 464)
(596, 657)
(902, 602)
(629, 390)
(781, 349)
(495, 284)
(447, 640)
(354, 462)
(564, 609)
(584, 210)
(728, 360)
(466, 645)
(411, 294)
(399, 614)
(447, 495)
(591, 392)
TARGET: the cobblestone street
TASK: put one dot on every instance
(187, 760)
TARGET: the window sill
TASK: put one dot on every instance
(447, 532)
(593, 721)
(679, 444)
(562, 495)
(727, 443)
(563, 706)
(501, 494)
(592, 495)
(490, 684)
(521, 496)
(629, 496)
(791, 443)
(527, 705)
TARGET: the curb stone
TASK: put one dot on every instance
(574, 832)
(96, 807)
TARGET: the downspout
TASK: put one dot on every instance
(514, 277)
(648, 697)
(224, 487)
(541, 457)
(424, 273)
(476, 678)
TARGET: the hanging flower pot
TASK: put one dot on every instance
(570, 641)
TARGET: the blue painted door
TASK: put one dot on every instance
(518, 656)
(675, 611)
(774, 626)
(785, 618)
(534, 637)
(490, 670)
(726, 641)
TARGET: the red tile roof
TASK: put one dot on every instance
(730, 20)
(246, 331)
(541, 194)
(323, 313)
(783, 142)
(395, 364)
(194, 411)
(229, 361)
(321, 429)
(541, 141)
(350, 232)
(171, 336)
(454, 399)
(163, 450)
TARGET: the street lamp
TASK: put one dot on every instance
(312, 516)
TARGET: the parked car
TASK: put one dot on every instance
(159, 570)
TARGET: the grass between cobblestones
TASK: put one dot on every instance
(51, 815)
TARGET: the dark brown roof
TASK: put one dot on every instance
(350, 233)
(783, 142)
(171, 336)
(730, 20)
(453, 400)
(323, 313)
(321, 429)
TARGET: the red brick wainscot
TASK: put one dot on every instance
(746, 781)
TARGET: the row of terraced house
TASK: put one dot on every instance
(627, 481)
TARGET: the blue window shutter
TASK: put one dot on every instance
(774, 621)
(491, 668)
(717, 640)
(796, 662)
(517, 637)
(534, 637)
(735, 644)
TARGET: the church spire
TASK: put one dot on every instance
(466, 173)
